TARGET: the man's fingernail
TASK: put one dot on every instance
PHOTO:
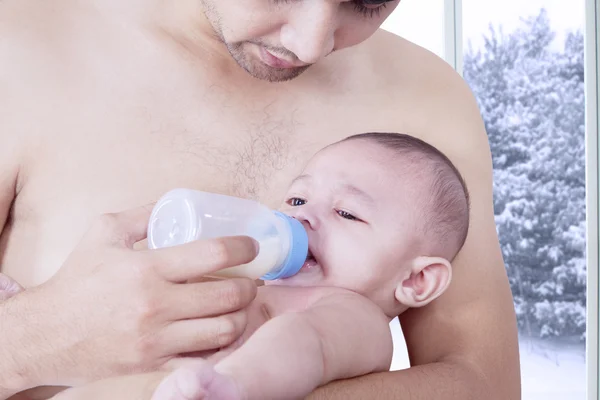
(256, 246)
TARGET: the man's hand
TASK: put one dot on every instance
(195, 380)
(112, 310)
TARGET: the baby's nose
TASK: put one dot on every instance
(306, 217)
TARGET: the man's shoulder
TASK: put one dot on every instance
(405, 69)
(36, 35)
(423, 95)
(12, 66)
(388, 60)
(36, 49)
(25, 50)
(29, 22)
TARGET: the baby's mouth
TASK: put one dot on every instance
(310, 273)
(310, 262)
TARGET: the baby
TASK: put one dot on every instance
(385, 216)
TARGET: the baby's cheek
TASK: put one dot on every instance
(370, 271)
(351, 264)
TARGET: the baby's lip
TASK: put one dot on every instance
(313, 254)
(310, 273)
(312, 259)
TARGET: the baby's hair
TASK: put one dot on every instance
(446, 216)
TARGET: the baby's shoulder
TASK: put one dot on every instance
(275, 300)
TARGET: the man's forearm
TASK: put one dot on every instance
(126, 387)
(442, 380)
(12, 380)
(14, 349)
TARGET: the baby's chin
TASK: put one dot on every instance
(311, 274)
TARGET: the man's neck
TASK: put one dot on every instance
(183, 22)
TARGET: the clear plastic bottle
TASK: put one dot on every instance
(184, 215)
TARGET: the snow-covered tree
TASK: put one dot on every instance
(532, 101)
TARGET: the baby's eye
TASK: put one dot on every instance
(347, 215)
(296, 201)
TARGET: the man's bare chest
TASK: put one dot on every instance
(137, 159)
(90, 162)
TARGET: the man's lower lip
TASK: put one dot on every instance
(273, 61)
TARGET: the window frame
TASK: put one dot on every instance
(592, 88)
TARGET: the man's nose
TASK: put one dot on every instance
(310, 31)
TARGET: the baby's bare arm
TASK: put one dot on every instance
(339, 336)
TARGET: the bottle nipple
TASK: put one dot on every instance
(298, 250)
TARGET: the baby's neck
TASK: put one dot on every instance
(393, 312)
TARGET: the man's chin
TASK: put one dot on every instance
(252, 64)
(270, 74)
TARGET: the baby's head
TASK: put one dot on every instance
(385, 214)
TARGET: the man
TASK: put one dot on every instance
(106, 105)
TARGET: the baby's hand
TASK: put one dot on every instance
(197, 381)
(8, 287)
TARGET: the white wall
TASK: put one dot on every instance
(421, 22)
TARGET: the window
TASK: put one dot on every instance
(419, 21)
(525, 63)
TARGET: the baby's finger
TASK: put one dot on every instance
(8, 287)
(4, 295)
(182, 384)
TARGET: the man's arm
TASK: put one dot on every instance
(340, 336)
(463, 345)
(10, 153)
(9, 377)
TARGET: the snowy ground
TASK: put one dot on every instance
(552, 371)
(549, 371)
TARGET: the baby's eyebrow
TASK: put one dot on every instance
(376, 2)
(303, 177)
(347, 188)
(353, 190)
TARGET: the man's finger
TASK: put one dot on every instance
(201, 257)
(125, 228)
(208, 299)
(195, 335)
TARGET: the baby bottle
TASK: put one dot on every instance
(183, 215)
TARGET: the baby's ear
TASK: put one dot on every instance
(429, 277)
